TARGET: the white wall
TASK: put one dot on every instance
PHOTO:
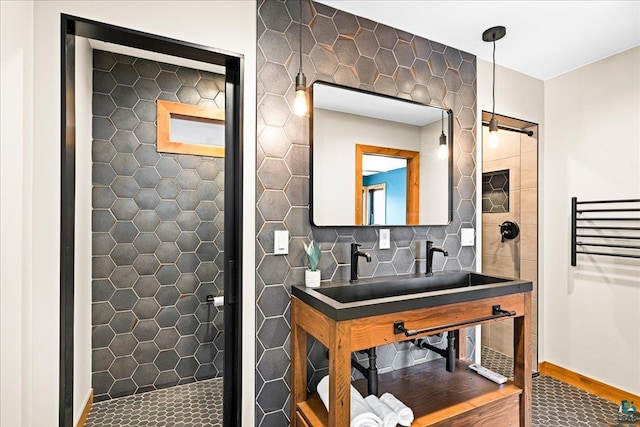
(592, 151)
(517, 95)
(82, 292)
(228, 25)
(339, 134)
(522, 97)
(16, 142)
(434, 176)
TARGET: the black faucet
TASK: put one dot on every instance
(355, 253)
(430, 251)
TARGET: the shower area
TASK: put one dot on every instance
(510, 219)
(157, 247)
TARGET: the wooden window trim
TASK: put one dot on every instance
(413, 178)
(168, 109)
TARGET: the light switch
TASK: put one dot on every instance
(467, 237)
(385, 238)
(280, 242)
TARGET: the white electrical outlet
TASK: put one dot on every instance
(385, 238)
(280, 242)
(467, 237)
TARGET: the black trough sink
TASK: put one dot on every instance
(383, 295)
(408, 286)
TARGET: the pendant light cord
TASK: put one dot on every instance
(491, 35)
(300, 36)
(493, 110)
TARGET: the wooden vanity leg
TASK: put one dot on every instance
(340, 376)
(461, 343)
(298, 362)
(522, 360)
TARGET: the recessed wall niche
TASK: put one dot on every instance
(495, 191)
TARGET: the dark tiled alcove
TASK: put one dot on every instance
(495, 191)
(352, 51)
(157, 233)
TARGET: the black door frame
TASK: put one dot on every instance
(71, 27)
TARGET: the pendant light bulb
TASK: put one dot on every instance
(494, 139)
(442, 148)
(300, 103)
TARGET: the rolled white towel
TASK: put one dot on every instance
(361, 413)
(387, 415)
(405, 414)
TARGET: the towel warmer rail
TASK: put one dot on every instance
(619, 232)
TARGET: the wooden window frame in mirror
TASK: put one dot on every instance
(413, 179)
(366, 202)
(168, 109)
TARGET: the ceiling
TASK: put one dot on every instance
(544, 38)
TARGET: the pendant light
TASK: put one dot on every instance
(442, 149)
(300, 103)
(491, 35)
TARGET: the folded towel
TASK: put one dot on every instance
(405, 414)
(361, 413)
(387, 415)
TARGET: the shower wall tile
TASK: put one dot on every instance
(529, 168)
(528, 242)
(508, 146)
(502, 336)
(493, 246)
(529, 206)
(495, 219)
(516, 258)
(156, 234)
(500, 265)
(356, 52)
(529, 177)
(529, 224)
(510, 163)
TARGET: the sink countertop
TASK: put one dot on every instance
(490, 286)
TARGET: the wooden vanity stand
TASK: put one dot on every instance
(437, 397)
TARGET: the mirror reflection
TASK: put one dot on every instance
(378, 160)
(383, 178)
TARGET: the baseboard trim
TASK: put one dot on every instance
(85, 412)
(587, 384)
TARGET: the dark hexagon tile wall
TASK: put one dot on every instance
(157, 222)
(495, 191)
(352, 51)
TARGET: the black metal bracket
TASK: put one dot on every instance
(497, 312)
(511, 129)
(448, 353)
(370, 373)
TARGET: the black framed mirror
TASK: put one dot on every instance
(378, 160)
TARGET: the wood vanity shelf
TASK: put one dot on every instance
(437, 397)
